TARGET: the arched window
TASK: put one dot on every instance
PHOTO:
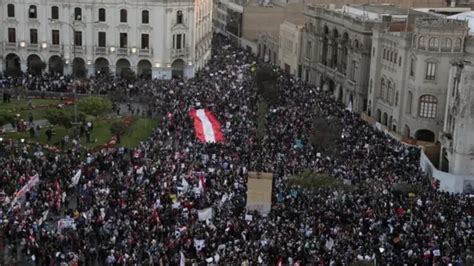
(77, 13)
(32, 12)
(433, 44)
(145, 17)
(428, 106)
(447, 45)
(458, 45)
(179, 17)
(409, 102)
(123, 16)
(422, 43)
(11, 10)
(382, 89)
(54, 12)
(102, 16)
(390, 92)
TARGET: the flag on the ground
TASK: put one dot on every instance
(206, 126)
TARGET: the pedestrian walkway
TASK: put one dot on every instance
(8, 128)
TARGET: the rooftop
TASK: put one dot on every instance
(466, 16)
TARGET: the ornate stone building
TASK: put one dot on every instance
(408, 74)
(164, 38)
(336, 48)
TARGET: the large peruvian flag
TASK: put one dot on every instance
(207, 128)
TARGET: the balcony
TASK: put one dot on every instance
(77, 49)
(145, 52)
(55, 48)
(122, 51)
(11, 46)
(175, 53)
(33, 47)
(100, 50)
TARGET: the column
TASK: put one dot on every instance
(1, 65)
(68, 69)
(24, 67)
(90, 70)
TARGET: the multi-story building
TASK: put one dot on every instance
(162, 38)
(409, 74)
(291, 35)
(337, 48)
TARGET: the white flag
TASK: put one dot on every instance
(182, 261)
(76, 177)
(205, 214)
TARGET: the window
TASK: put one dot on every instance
(390, 92)
(145, 17)
(382, 89)
(55, 37)
(123, 40)
(77, 13)
(102, 39)
(179, 41)
(123, 15)
(354, 70)
(32, 12)
(145, 41)
(447, 45)
(102, 14)
(457, 45)
(179, 17)
(433, 44)
(428, 106)
(33, 36)
(54, 12)
(430, 71)
(308, 49)
(409, 102)
(384, 54)
(412, 67)
(11, 10)
(78, 38)
(396, 98)
(11, 35)
(400, 61)
(422, 43)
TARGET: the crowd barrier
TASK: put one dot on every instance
(448, 182)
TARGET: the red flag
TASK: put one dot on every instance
(202, 183)
(206, 125)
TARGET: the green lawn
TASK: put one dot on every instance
(21, 107)
(140, 130)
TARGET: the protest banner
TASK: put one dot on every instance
(259, 192)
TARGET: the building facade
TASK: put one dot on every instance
(336, 50)
(163, 38)
(291, 35)
(408, 77)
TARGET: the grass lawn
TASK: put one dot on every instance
(140, 130)
(21, 107)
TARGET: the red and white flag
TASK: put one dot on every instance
(207, 128)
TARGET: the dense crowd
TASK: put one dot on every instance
(139, 206)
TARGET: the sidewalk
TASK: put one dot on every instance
(7, 128)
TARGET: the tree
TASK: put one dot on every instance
(266, 80)
(95, 106)
(59, 117)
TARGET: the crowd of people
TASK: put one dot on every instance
(140, 206)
